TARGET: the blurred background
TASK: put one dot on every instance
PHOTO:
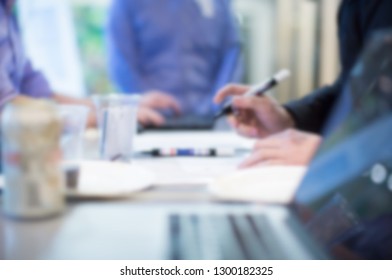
(65, 39)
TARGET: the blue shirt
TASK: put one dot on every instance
(170, 45)
(17, 75)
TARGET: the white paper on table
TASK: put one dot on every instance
(183, 171)
(189, 172)
(274, 184)
(191, 140)
(111, 179)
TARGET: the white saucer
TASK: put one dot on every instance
(111, 179)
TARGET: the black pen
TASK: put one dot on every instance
(257, 90)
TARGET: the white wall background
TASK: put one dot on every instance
(49, 36)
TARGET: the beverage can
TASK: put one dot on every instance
(34, 181)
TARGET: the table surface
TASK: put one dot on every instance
(121, 228)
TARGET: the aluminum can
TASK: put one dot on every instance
(34, 181)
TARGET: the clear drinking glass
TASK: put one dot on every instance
(74, 121)
(117, 120)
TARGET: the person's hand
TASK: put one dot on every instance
(254, 117)
(290, 147)
(160, 100)
(92, 117)
(148, 116)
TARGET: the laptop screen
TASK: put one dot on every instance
(345, 199)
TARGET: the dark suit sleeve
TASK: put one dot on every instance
(376, 15)
(310, 112)
(364, 19)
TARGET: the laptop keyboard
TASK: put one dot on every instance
(227, 237)
(189, 122)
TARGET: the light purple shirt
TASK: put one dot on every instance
(17, 75)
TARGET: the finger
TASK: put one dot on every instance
(160, 100)
(230, 90)
(240, 129)
(92, 120)
(232, 121)
(250, 103)
(244, 129)
(148, 116)
(169, 102)
(260, 157)
(270, 142)
(247, 130)
(244, 116)
(272, 162)
(244, 112)
(256, 111)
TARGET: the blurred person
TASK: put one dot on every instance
(278, 126)
(19, 80)
(178, 53)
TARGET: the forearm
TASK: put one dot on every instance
(67, 100)
(63, 99)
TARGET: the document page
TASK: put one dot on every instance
(270, 184)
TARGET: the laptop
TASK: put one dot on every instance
(184, 122)
(343, 207)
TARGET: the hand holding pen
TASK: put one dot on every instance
(257, 115)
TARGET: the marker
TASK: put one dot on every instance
(185, 152)
(258, 90)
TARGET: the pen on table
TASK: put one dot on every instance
(191, 152)
(258, 90)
